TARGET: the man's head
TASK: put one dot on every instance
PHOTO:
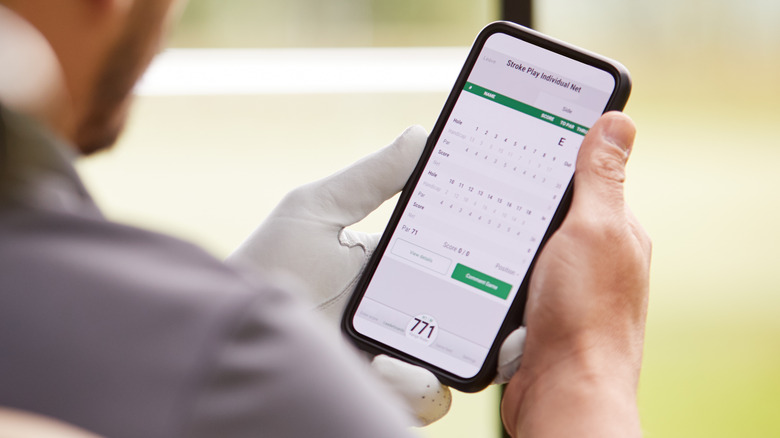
(103, 47)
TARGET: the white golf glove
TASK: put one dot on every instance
(306, 236)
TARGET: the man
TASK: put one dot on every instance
(123, 332)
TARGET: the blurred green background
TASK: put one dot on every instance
(702, 179)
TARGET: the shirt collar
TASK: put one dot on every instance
(36, 168)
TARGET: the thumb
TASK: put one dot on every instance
(362, 187)
(601, 165)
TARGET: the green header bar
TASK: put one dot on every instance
(526, 109)
(481, 281)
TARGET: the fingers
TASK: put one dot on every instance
(351, 194)
(600, 172)
(509, 355)
(424, 395)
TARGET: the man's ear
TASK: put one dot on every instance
(31, 80)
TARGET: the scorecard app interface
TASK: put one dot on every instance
(485, 200)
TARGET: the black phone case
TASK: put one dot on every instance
(515, 314)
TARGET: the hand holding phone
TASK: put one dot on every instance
(587, 305)
(448, 280)
(312, 223)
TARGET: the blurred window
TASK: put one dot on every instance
(332, 23)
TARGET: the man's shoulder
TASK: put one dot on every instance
(71, 248)
(46, 257)
(97, 317)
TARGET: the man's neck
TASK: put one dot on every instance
(31, 80)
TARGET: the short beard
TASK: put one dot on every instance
(107, 112)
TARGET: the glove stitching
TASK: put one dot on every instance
(345, 242)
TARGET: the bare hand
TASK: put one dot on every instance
(587, 306)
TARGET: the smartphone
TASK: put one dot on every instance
(448, 280)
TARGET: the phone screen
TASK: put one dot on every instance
(483, 203)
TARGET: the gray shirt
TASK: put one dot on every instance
(129, 333)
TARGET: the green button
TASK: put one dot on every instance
(481, 281)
